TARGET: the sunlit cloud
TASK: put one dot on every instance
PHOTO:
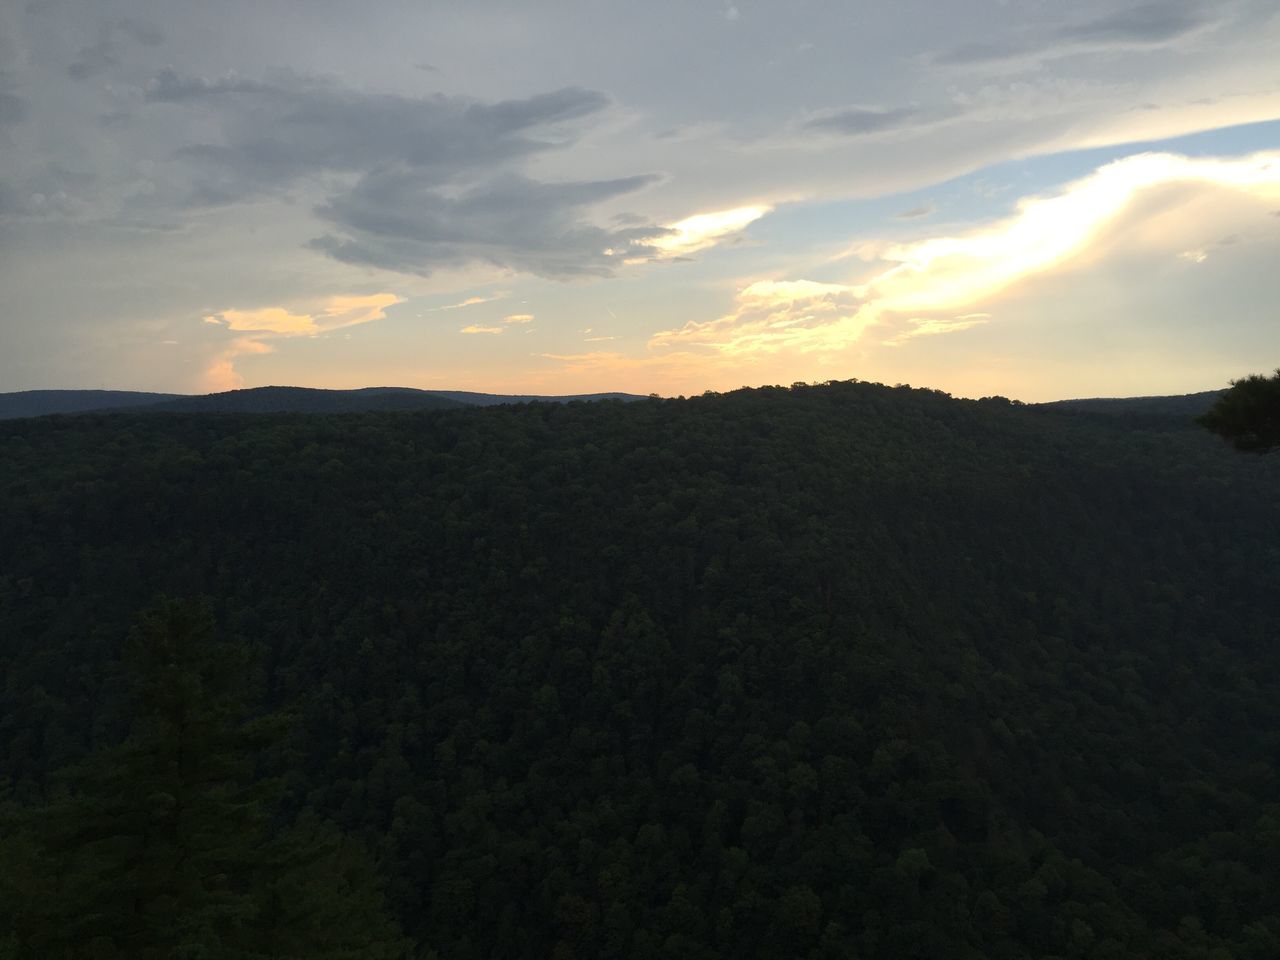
(332, 313)
(518, 318)
(349, 311)
(923, 285)
(948, 272)
(266, 320)
(774, 315)
(221, 374)
(471, 302)
(262, 324)
(703, 230)
(475, 328)
(932, 326)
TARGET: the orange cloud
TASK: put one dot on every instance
(474, 328)
(276, 320)
(273, 322)
(518, 318)
(221, 373)
(332, 313)
(347, 311)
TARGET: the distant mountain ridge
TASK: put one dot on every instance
(36, 403)
(1187, 404)
(279, 399)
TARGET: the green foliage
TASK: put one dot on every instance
(839, 671)
(1248, 414)
(161, 846)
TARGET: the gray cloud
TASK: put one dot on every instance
(10, 202)
(863, 121)
(105, 52)
(983, 51)
(1147, 25)
(169, 86)
(12, 107)
(435, 177)
(399, 220)
(273, 133)
(916, 213)
(1150, 23)
(858, 121)
(52, 192)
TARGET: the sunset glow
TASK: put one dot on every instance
(182, 207)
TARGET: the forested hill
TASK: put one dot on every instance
(35, 403)
(1182, 405)
(831, 672)
(38, 403)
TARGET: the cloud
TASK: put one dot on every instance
(917, 213)
(113, 38)
(13, 108)
(702, 230)
(470, 302)
(169, 86)
(52, 192)
(333, 313)
(945, 272)
(398, 219)
(1145, 26)
(475, 328)
(518, 318)
(775, 315)
(435, 182)
(270, 134)
(861, 121)
(920, 285)
(932, 326)
(264, 324)
(221, 374)
(266, 320)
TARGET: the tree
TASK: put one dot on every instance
(1248, 414)
(164, 846)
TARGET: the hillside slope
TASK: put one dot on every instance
(1181, 405)
(843, 671)
(35, 403)
(38, 403)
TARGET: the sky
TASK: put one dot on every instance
(1017, 197)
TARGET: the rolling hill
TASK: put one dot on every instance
(821, 672)
(35, 403)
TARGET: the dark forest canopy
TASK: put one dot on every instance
(36, 403)
(829, 672)
(1248, 414)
